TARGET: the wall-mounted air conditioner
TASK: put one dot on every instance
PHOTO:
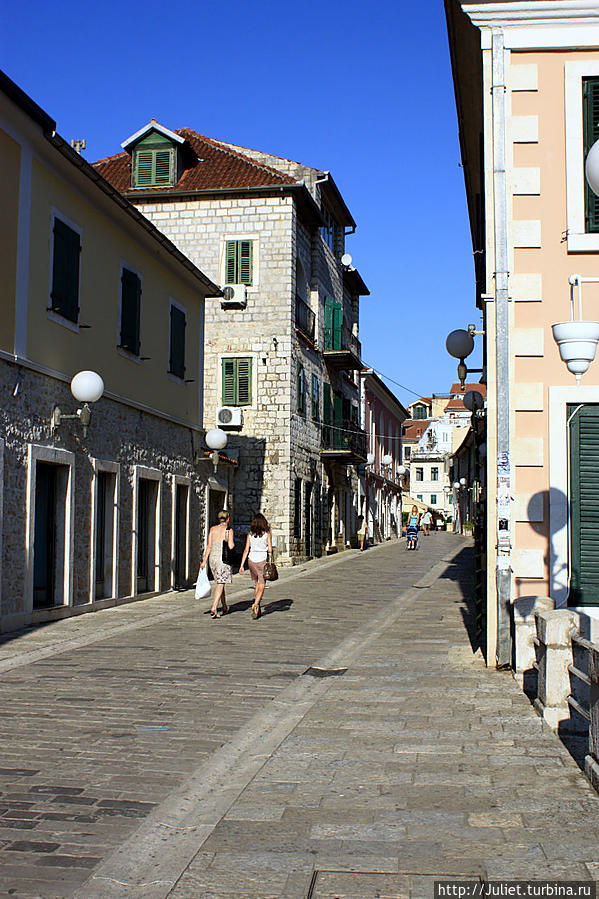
(229, 417)
(234, 295)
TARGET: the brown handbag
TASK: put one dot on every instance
(270, 569)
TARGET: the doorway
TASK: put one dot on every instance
(180, 562)
(104, 534)
(49, 538)
(147, 560)
(216, 503)
(308, 519)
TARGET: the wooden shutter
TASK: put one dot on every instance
(326, 403)
(229, 382)
(590, 116)
(584, 505)
(143, 168)
(162, 166)
(130, 311)
(65, 271)
(315, 399)
(245, 251)
(244, 382)
(177, 360)
(231, 262)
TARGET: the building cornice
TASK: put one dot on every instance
(547, 12)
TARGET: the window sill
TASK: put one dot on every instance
(583, 243)
(65, 322)
(176, 379)
(129, 354)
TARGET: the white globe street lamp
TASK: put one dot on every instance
(216, 440)
(86, 387)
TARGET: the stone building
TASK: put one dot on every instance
(92, 517)
(383, 417)
(282, 353)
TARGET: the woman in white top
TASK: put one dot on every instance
(257, 546)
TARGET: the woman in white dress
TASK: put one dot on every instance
(257, 547)
(221, 571)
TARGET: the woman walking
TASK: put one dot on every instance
(221, 532)
(257, 547)
(412, 529)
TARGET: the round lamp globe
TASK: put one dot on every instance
(87, 387)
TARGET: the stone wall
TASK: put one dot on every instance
(118, 433)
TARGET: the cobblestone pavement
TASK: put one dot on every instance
(148, 751)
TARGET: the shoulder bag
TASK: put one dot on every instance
(227, 552)
(270, 569)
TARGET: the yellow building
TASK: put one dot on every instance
(526, 79)
(89, 284)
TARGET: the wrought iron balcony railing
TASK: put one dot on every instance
(339, 436)
(305, 320)
(342, 340)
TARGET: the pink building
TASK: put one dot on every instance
(381, 483)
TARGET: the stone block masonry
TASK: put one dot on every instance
(131, 441)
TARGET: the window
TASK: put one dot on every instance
(420, 474)
(450, 498)
(434, 474)
(419, 496)
(236, 382)
(419, 412)
(65, 271)
(328, 229)
(177, 342)
(407, 452)
(130, 311)
(433, 499)
(153, 167)
(239, 261)
(590, 126)
(315, 398)
(301, 388)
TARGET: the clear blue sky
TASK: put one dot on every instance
(361, 89)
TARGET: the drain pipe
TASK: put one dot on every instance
(504, 536)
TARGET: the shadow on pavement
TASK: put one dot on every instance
(280, 605)
(461, 571)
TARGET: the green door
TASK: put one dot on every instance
(584, 504)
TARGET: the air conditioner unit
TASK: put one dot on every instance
(229, 417)
(234, 295)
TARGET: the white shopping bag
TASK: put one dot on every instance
(202, 584)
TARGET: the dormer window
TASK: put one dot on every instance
(155, 155)
(153, 167)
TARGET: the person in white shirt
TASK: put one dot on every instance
(426, 522)
(257, 546)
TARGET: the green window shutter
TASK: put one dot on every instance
(245, 251)
(163, 166)
(326, 403)
(230, 264)
(315, 398)
(143, 168)
(177, 359)
(229, 382)
(65, 271)
(244, 382)
(130, 311)
(584, 505)
(590, 119)
(333, 321)
(301, 390)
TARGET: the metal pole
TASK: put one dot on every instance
(503, 570)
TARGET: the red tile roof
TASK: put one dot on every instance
(457, 388)
(414, 430)
(214, 167)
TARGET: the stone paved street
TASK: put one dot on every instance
(148, 751)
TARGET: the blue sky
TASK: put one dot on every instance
(362, 90)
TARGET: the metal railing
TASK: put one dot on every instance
(342, 339)
(305, 320)
(344, 435)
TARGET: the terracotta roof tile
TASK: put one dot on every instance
(214, 167)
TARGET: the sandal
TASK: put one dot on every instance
(256, 614)
(214, 614)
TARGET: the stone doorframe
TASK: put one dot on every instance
(150, 474)
(114, 468)
(177, 480)
(66, 459)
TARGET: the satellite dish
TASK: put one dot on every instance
(346, 259)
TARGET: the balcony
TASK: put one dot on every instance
(343, 440)
(305, 320)
(342, 349)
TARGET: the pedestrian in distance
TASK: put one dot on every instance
(362, 533)
(426, 522)
(221, 571)
(412, 528)
(258, 545)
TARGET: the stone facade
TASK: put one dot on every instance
(279, 443)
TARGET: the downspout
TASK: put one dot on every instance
(504, 568)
